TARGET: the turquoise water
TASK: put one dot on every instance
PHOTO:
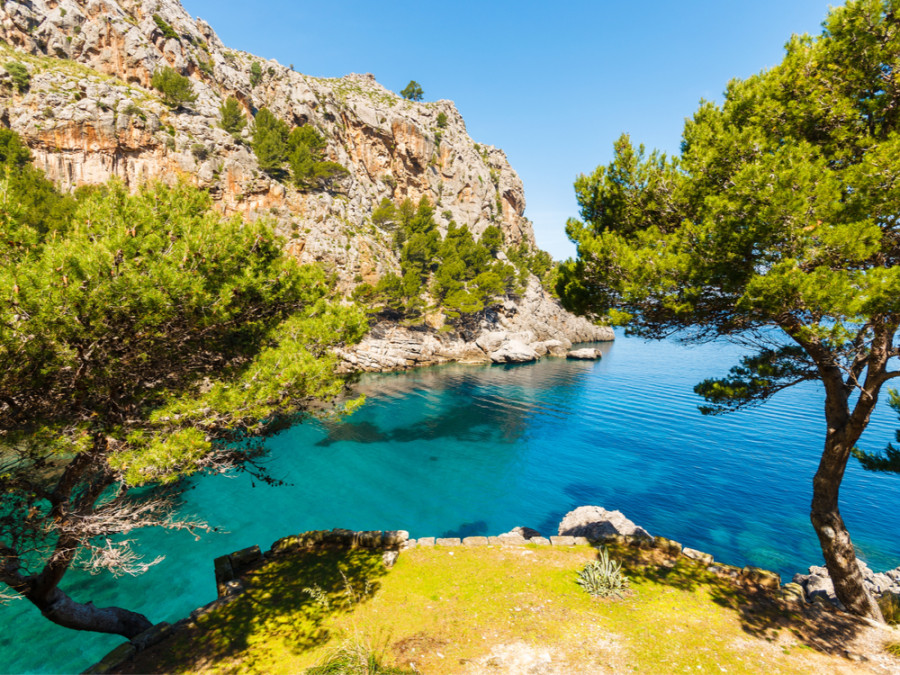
(465, 450)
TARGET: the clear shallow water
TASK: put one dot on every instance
(465, 450)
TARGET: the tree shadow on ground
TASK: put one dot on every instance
(288, 602)
(762, 613)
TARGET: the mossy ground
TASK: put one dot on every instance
(506, 610)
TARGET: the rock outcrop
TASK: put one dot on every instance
(595, 522)
(90, 115)
(586, 354)
(818, 585)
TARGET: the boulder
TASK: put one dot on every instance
(514, 351)
(586, 354)
(596, 523)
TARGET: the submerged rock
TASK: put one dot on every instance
(586, 354)
(595, 522)
(524, 532)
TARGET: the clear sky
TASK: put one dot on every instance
(552, 84)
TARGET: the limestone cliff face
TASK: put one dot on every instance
(90, 115)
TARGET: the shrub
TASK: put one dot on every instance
(441, 120)
(199, 151)
(232, 117)
(176, 89)
(19, 74)
(270, 136)
(306, 149)
(167, 30)
(255, 74)
(890, 609)
(413, 91)
(603, 577)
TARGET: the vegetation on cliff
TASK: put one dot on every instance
(303, 148)
(142, 339)
(780, 212)
(457, 274)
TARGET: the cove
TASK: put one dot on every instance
(465, 450)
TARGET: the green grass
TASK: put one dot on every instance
(441, 610)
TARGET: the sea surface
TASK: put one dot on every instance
(474, 450)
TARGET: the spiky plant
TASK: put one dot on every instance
(603, 577)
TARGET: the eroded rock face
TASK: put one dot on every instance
(90, 115)
(595, 522)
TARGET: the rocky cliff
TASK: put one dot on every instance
(90, 114)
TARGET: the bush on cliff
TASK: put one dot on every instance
(176, 89)
(270, 142)
(21, 78)
(231, 116)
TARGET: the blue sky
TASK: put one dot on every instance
(552, 86)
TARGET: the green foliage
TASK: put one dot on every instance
(32, 205)
(888, 461)
(255, 74)
(306, 149)
(231, 116)
(775, 214)
(492, 239)
(270, 141)
(176, 89)
(167, 30)
(385, 214)
(412, 91)
(442, 120)
(459, 274)
(21, 78)
(603, 577)
(143, 339)
(776, 225)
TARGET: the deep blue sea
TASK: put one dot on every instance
(465, 450)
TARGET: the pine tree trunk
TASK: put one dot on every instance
(61, 609)
(840, 557)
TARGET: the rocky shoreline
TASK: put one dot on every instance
(521, 331)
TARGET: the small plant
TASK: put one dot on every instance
(167, 30)
(76, 29)
(893, 649)
(199, 151)
(354, 658)
(19, 74)
(175, 88)
(319, 596)
(442, 120)
(603, 577)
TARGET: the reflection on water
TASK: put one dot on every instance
(475, 450)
